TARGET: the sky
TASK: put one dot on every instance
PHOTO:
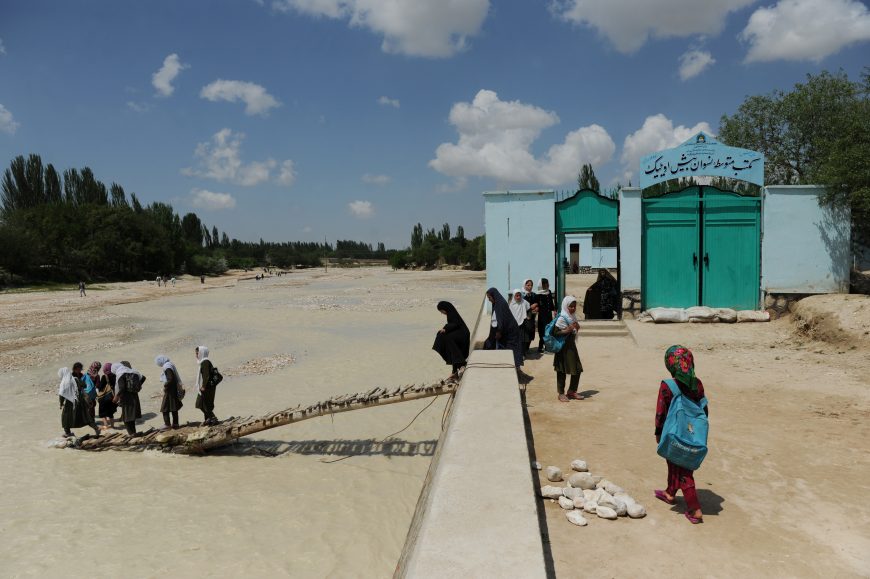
(313, 120)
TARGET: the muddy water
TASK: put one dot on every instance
(268, 507)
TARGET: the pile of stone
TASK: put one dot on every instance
(588, 494)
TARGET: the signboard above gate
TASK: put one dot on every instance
(702, 156)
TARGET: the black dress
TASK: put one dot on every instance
(454, 342)
(205, 399)
(105, 395)
(130, 407)
(171, 402)
(505, 334)
(75, 415)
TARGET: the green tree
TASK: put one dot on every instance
(818, 133)
(417, 236)
(587, 179)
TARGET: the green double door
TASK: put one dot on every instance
(701, 246)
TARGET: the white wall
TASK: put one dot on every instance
(629, 236)
(520, 237)
(805, 247)
(590, 256)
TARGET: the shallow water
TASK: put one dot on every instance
(265, 507)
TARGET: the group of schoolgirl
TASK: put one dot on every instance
(84, 395)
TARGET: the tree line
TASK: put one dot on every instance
(70, 226)
(432, 248)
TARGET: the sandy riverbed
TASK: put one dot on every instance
(281, 341)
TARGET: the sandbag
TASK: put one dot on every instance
(726, 315)
(668, 315)
(700, 313)
(753, 316)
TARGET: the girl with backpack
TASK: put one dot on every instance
(205, 390)
(173, 390)
(681, 365)
(567, 360)
(128, 384)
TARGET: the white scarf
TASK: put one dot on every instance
(203, 356)
(167, 364)
(119, 370)
(541, 289)
(67, 387)
(518, 308)
(565, 314)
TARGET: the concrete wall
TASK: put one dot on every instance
(590, 256)
(805, 247)
(520, 237)
(465, 529)
(629, 237)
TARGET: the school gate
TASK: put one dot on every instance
(583, 212)
(701, 245)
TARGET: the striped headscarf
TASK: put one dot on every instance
(681, 364)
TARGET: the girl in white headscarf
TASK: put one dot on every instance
(567, 360)
(128, 383)
(205, 390)
(521, 309)
(73, 407)
(172, 392)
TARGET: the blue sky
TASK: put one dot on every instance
(356, 119)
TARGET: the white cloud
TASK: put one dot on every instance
(220, 159)
(257, 100)
(7, 121)
(495, 138)
(376, 179)
(162, 79)
(805, 29)
(388, 102)
(287, 175)
(628, 24)
(415, 28)
(361, 209)
(658, 132)
(138, 107)
(694, 62)
(458, 184)
(210, 201)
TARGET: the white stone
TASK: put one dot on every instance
(577, 518)
(581, 480)
(589, 495)
(596, 478)
(579, 503)
(572, 493)
(612, 487)
(625, 497)
(566, 503)
(605, 512)
(551, 492)
(554, 474)
(590, 506)
(636, 511)
(537, 465)
(621, 508)
(579, 465)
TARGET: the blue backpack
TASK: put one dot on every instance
(684, 434)
(553, 343)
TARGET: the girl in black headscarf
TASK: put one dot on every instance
(504, 332)
(453, 339)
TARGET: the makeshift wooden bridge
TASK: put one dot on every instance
(195, 438)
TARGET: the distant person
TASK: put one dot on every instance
(106, 406)
(73, 408)
(202, 279)
(531, 297)
(205, 390)
(521, 309)
(128, 384)
(546, 307)
(504, 333)
(158, 281)
(172, 392)
(681, 365)
(453, 340)
(566, 362)
(173, 281)
(82, 289)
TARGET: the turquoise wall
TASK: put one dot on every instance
(805, 247)
(629, 237)
(520, 238)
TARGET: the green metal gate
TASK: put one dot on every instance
(701, 246)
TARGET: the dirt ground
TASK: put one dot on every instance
(784, 488)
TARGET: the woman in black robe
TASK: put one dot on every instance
(73, 404)
(128, 384)
(452, 341)
(504, 332)
(602, 297)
